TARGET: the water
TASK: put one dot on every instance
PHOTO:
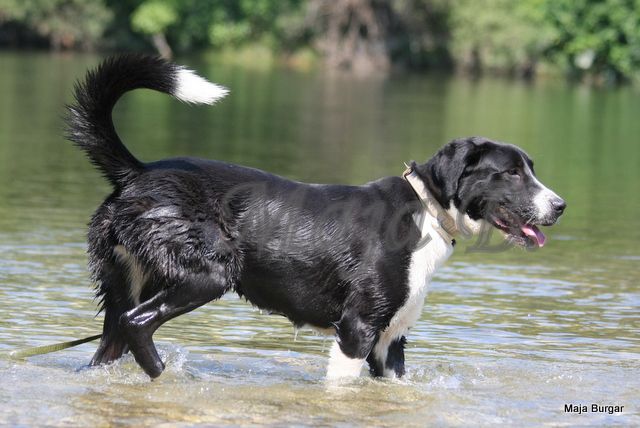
(505, 338)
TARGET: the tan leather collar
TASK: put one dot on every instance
(444, 224)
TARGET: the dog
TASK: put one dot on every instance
(351, 260)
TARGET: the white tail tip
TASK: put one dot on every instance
(191, 88)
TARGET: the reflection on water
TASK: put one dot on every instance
(505, 337)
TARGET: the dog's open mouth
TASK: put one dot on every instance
(519, 232)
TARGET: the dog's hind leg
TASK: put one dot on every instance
(139, 324)
(116, 302)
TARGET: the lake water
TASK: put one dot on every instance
(506, 337)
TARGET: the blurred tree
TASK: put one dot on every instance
(64, 24)
(152, 18)
(598, 39)
(595, 39)
(499, 35)
(421, 36)
(190, 24)
(351, 33)
(372, 34)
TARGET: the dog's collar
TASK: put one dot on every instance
(444, 224)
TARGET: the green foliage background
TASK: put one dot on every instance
(595, 40)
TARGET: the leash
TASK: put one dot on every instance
(47, 349)
(444, 224)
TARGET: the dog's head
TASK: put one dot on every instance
(479, 181)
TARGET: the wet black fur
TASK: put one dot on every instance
(325, 255)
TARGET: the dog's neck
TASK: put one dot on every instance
(442, 222)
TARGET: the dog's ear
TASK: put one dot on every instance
(442, 172)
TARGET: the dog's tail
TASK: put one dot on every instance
(89, 123)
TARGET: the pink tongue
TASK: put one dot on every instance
(534, 233)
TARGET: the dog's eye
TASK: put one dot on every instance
(514, 171)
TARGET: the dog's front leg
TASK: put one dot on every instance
(354, 342)
(387, 357)
(139, 324)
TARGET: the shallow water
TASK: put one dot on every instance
(506, 337)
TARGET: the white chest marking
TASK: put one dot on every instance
(137, 276)
(424, 262)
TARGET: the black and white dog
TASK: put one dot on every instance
(353, 260)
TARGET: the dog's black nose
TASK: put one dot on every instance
(558, 205)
